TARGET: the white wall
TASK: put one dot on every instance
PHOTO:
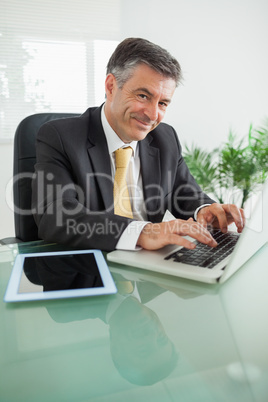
(222, 48)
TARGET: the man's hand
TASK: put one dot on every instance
(221, 215)
(158, 235)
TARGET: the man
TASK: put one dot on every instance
(74, 187)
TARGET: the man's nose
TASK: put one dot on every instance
(152, 111)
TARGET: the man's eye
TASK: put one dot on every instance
(142, 96)
(163, 105)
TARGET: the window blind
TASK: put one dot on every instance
(53, 56)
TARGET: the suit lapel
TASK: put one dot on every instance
(151, 175)
(100, 158)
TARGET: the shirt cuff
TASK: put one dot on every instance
(198, 209)
(130, 236)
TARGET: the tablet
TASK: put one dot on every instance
(60, 274)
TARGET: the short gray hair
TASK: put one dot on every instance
(135, 51)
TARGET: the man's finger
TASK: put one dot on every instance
(236, 215)
(196, 231)
(202, 220)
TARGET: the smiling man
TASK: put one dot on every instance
(82, 178)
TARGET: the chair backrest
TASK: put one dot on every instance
(24, 161)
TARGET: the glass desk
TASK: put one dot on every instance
(169, 340)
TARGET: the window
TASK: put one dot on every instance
(55, 75)
(53, 56)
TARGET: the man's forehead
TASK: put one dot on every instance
(144, 77)
(145, 70)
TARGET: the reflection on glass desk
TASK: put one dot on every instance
(158, 339)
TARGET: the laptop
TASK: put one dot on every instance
(219, 264)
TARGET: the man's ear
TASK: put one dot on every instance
(110, 86)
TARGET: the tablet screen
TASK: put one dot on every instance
(59, 275)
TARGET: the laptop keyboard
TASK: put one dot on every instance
(205, 256)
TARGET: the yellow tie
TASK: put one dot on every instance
(122, 204)
(124, 287)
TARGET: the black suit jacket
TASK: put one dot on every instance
(73, 190)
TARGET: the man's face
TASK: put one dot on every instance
(140, 105)
(139, 342)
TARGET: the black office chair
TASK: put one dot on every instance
(24, 161)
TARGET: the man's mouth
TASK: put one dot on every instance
(145, 123)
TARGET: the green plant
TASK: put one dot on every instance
(238, 166)
(202, 166)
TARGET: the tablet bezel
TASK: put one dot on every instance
(12, 292)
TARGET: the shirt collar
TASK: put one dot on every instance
(113, 141)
